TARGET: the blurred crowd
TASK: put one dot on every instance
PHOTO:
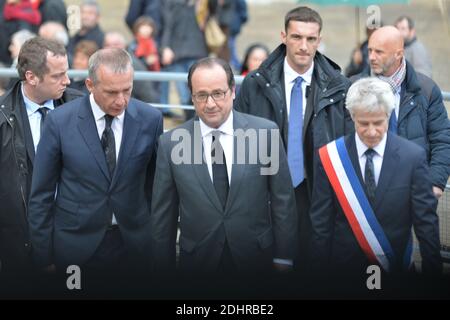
(166, 36)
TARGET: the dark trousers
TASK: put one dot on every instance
(110, 256)
(226, 264)
(303, 203)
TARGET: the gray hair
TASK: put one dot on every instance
(22, 36)
(115, 59)
(55, 31)
(370, 95)
(91, 3)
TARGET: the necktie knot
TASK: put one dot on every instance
(43, 111)
(108, 120)
(298, 81)
(370, 153)
(215, 135)
(216, 147)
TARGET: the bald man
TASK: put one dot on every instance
(53, 30)
(420, 114)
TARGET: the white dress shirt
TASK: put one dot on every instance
(289, 79)
(377, 158)
(397, 102)
(116, 126)
(34, 116)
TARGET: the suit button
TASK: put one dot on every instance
(3, 106)
(331, 100)
(26, 245)
(267, 84)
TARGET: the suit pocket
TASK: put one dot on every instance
(415, 128)
(66, 213)
(265, 240)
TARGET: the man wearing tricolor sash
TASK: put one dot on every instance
(372, 189)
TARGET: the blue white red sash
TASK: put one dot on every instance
(354, 203)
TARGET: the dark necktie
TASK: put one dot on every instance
(369, 176)
(295, 134)
(393, 123)
(43, 111)
(219, 169)
(109, 144)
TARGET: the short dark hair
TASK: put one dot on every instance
(87, 47)
(142, 21)
(249, 51)
(408, 19)
(210, 62)
(33, 56)
(303, 14)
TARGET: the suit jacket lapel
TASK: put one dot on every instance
(237, 170)
(88, 130)
(201, 170)
(29, 143)
(389, 165)
(353, 154)
(131, 127)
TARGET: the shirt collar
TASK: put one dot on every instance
(290, 74)
(32, 106)
(379, 149)
(225, 128)
(98, 112)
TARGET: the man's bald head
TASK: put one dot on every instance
(385, 51)
(390, 35)
(114, 39)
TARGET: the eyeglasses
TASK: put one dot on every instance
(215, 95)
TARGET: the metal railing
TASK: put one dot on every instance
(444, 223)
(150, 76)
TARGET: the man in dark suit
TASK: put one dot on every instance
(236, 211)
(372, 188)
(91, 195)
(303, 92)
(42, 67)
